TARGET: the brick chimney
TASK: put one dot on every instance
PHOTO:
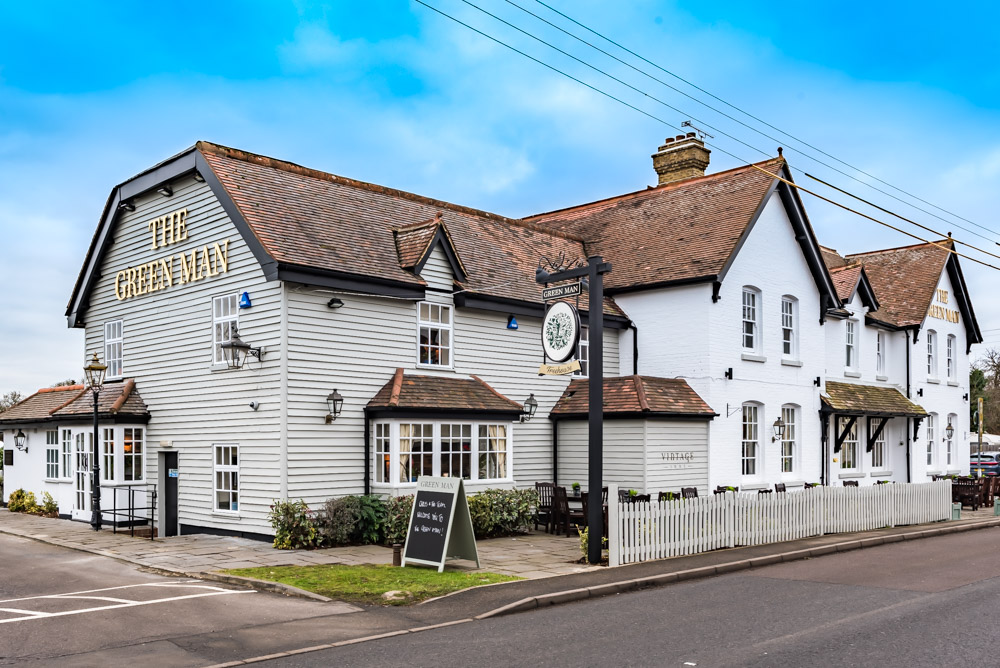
(681, 157)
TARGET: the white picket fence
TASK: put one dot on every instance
(658, 529)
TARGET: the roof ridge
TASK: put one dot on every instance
(934, 244)
(397, 387)
(126, 392)
(652, 189)
(640, 391)
(494, 391)
(60, 388)
(293, 168)
(67, 403)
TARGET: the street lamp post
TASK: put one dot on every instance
(94, 373)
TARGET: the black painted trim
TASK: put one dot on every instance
(972, 332)
(867, 292)
(329, 278)
(521, 307)
(105, 418)
(642, 415)
(662, 284)
(376, 412)
(190, 529)
(441, 238)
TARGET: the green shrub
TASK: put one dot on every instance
(337, 520)
(22, 502)
(293, 525)
(502, 512)
(49, 506)
(371, 520)
(585, 541)
(397, 518)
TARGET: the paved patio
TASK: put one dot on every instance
(535, 555)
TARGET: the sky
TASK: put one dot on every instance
(394, 93)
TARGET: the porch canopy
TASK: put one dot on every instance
(878, 404)
(417, 395)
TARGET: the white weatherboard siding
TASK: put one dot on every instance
(357, 348)
(437, 273)
(677, 455)
(624, 454)
(168, 350)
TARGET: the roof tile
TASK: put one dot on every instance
(635, 394)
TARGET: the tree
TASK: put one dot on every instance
(64, 383)
(9, 399)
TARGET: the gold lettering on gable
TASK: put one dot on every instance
(942, 313)
(158, 274)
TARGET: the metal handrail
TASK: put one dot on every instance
(130, 510)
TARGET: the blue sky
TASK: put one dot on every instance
(393, 93)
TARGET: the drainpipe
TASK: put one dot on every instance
(635, 348)
(909, 459)
(555, 452)
(368, 455)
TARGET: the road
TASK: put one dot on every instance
(66, 608)
(929, 602)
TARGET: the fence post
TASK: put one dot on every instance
(614, 525)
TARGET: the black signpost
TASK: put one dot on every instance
(594, 272)
(440, 524)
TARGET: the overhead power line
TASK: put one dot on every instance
(667, 123)
(760, 120)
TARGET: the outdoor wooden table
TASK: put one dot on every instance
(967, 492)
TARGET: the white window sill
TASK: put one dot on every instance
(852, 374)
(56, 480)
(852, 475)
(438, 367)
(934, 381)
(226, 514)
(389, 486)
(880, 474)
(934, 472)
(950, 471)
(791, 363)
(884, 379)
(952, 383)
(750, 357)
(794, 483)
(751, 486)
(123, 483)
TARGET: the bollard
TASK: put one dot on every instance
(397, 554)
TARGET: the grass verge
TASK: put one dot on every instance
(366, 584)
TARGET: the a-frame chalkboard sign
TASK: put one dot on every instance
(440, 524)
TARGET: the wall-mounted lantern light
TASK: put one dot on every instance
(530, 406)
(949, 430)
(335, 302)
(21, 441)
(779, 430)
(166, 191)
(236, 350)
(335, 402)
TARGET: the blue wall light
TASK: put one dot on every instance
(245, 301)
(511, 322)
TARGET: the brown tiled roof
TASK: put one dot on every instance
(441, 393)
(845, 279)
(412, 242)
(831, 258)
(41, 404)
(641, 395)
(683, 230)
(118, 398)
(852, 398)
(904, 280)
(310, 218)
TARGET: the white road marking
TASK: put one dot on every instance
(120, 603)
(187, 584)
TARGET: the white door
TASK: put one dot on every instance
(81, 477)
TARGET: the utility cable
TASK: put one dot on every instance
(759, 120)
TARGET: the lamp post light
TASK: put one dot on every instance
(236, 350)
(94, 372)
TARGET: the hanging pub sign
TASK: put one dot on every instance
(560, 332)
(440, 524)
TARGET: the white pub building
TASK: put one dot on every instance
(272, 331)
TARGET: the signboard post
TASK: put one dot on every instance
(440, 524)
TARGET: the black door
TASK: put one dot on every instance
(170, 494)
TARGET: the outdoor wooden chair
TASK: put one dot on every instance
(667, 496)
(850, 483)
(638, 498)
(689, 492)
(763, 491)
(543, 513)
(721, 489)
(563, 515)
(780, 487)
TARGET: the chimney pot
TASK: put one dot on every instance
(679, 158)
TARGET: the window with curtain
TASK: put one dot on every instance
(492, 451)
(227, 478)
(473, 451)
(949, 444)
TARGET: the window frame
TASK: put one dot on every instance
(399, 432)
(853, 442)
(851, 347)
(383, 453)
(950, 357)
(583, 353)
(132, 455)
(114, 349)
(879, 452)
(233, 318)
(226, 470)
(950, 441)
(932, 354)
(789, 328)
(789, 444)
(108, 455)
(66, 439)
(430, 324)
(753, 320)
(880, 354)
(52, 454)
(931, 440)
(751, 438)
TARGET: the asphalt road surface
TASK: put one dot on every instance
(932, 602)
(66, 608)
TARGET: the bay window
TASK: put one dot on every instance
(470, 450)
